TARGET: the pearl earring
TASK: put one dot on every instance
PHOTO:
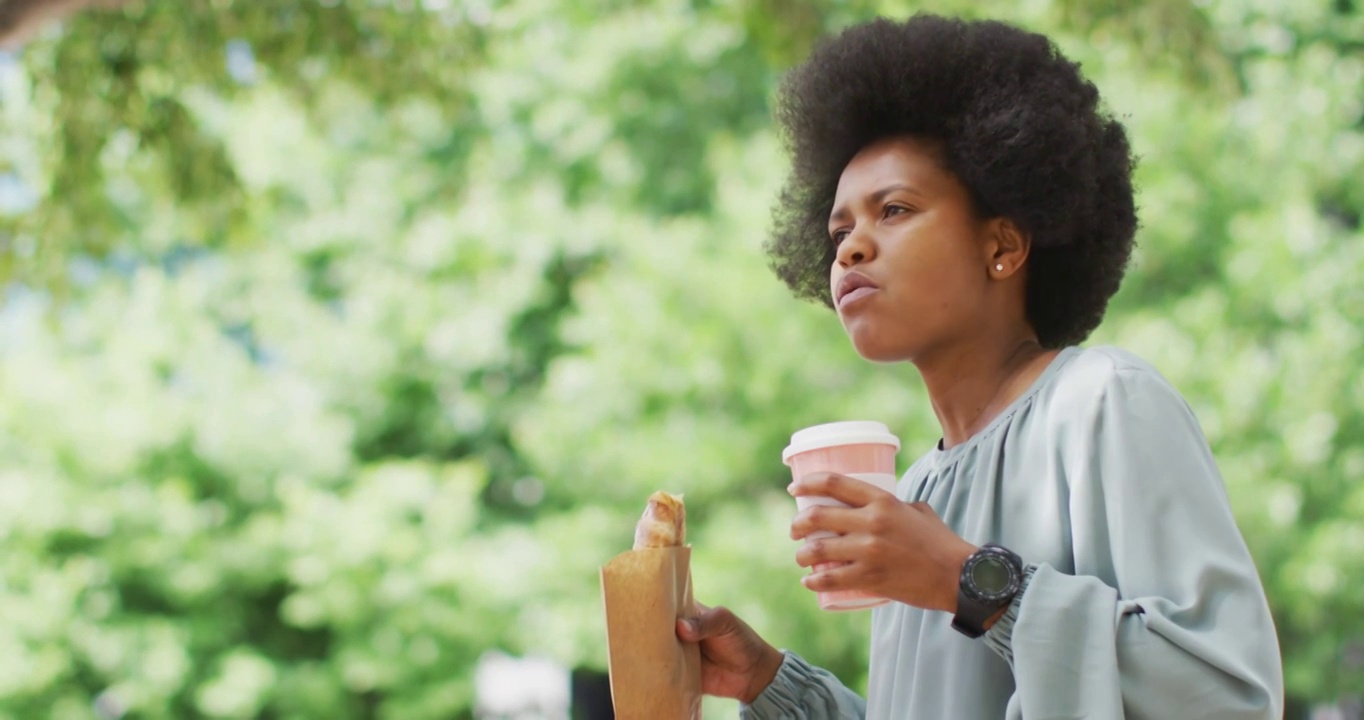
(999, 267)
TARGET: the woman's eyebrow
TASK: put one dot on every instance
(841, 211)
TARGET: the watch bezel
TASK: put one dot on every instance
(993, 554)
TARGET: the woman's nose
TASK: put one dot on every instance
(855, 249)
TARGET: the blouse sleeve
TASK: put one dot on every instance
(1165, 615)
(804, 692)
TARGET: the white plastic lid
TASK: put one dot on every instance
(850, 432)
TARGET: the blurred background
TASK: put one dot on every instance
(342, 340)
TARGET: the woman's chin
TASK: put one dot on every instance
(876, 350)
(871, 341)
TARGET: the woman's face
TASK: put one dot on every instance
(912, 270)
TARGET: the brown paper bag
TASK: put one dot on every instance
(654, 675)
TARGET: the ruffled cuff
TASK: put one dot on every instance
(782, 697)
(1000, 636)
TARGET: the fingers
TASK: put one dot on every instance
(826, 518)
(850, 491)
(831, 579)
(830, 549)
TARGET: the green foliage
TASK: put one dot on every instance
(319, 379)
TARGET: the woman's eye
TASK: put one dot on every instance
(838, 236)
(895, 210)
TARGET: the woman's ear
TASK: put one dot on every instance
(1007, 247)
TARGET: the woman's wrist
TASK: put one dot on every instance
(950, 582)
(764, 673)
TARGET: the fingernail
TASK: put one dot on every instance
(691, 626)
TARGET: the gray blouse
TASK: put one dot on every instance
(1141, 599)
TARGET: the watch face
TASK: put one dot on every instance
(991, 576)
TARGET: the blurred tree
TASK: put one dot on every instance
(344, 340)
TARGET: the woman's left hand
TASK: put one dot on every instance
(893, 549)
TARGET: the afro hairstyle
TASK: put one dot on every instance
(1017, 124)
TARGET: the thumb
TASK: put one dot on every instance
(687, 629)
(711, 622)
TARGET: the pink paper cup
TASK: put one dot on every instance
(859, 449)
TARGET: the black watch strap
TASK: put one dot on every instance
(976, 605)
(971, 616)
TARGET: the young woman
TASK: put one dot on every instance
(1067, 550)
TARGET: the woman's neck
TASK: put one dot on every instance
(972, 384)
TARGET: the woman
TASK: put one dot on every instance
(1067, 550)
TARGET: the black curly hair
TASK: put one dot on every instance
(1018, 125)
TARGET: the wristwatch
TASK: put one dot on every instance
(990, 579)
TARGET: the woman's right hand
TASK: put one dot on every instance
(735, 662)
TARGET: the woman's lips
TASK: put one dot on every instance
(854, 296)
(853, 286)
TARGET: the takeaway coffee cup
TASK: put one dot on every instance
(860, 449)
